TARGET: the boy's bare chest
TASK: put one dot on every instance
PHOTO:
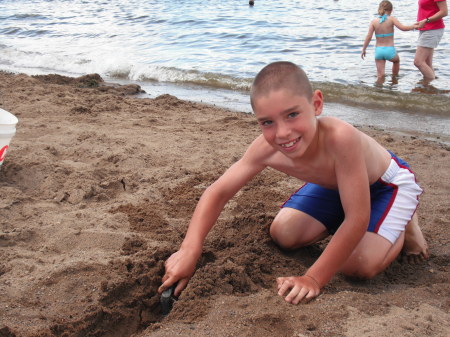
(320, 171)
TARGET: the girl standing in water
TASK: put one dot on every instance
(383, 27)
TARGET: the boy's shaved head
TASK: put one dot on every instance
(281, 75)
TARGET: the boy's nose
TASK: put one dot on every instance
(283, 131)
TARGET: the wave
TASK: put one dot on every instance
(424, 99)
(206, 79)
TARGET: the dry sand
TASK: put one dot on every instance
(96, 192)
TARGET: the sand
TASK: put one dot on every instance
(96, 192)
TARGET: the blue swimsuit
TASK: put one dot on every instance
(384, 53)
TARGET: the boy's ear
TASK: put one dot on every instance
(317, 101)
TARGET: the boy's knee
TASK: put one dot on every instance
(366, 273)
(282, 236)
(364, 269)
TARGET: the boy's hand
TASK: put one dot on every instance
(298, 288)
(363, 54)
(180, 266)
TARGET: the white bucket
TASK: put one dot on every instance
(7, 130)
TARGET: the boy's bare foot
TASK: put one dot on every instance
(415, 247)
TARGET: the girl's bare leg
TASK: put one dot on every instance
(381, 64)
(395, 65)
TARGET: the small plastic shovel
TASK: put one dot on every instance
(167, 300)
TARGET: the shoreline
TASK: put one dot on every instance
(422, 113)
(96, 192)
(434, 127)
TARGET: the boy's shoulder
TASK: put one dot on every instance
(261, 147)
(336, 132)
(333, 124)
(260, 152)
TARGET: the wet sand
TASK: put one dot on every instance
(97, 190)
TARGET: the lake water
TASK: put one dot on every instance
(210, 50)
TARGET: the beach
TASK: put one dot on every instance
(97, 190)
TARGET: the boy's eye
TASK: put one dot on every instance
(293, 114)
(266, 123)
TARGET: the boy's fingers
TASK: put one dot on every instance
(283, 288)
(180, 286)
(280, 281)
(165, 277)
(297, 298)
(166, 284)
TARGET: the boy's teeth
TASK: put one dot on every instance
(289, 144)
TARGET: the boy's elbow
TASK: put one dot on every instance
(212, 191)
(362, 225)
(216, 193)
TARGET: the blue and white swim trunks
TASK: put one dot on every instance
(394, 198)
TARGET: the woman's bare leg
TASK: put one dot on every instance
(423, 60)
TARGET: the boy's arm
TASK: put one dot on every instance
(353, 184)
(367, 40)
(181, 265)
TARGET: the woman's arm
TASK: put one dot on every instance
(443, 11)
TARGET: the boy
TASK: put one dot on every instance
(348, 173)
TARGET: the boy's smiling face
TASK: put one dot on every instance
(288, 121)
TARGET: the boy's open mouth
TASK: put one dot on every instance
(291, 143)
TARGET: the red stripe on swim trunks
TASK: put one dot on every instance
(388, 208)
(292, 195)
(405, 167)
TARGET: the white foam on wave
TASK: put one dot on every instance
(118, 65)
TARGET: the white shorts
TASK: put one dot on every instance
(404, 201)
(430, 38)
